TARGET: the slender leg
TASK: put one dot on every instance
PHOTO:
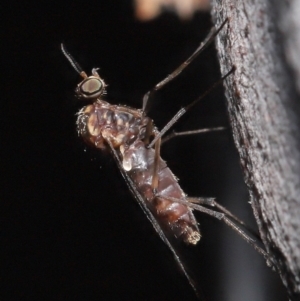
(226, 220)
(213, 203)
(210, 37)
(193, 132)
(182, 111)
(156, 165)
(149, 132)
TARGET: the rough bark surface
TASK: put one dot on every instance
(264, 112)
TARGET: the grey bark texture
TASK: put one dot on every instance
(262, 40)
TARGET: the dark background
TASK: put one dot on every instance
(71, 229)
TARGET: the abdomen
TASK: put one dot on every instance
(175, 216)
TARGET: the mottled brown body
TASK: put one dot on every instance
(130, 135)
(126, 128)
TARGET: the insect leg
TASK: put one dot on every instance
(193, 132)
(156, 165)
(227, 221)
(182, 111)
(203, 45)
(148, 132)
(213, 203)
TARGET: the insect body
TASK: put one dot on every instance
(126, 129)
(135, 142)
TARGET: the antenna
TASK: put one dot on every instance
(72, 61)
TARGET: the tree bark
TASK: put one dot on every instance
(264, 111)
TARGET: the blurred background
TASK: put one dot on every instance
(71, 230)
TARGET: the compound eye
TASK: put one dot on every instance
(92, 87)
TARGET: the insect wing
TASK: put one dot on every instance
(152, 219)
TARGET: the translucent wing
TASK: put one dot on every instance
(151, 217)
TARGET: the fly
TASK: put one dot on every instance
(135, 144)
